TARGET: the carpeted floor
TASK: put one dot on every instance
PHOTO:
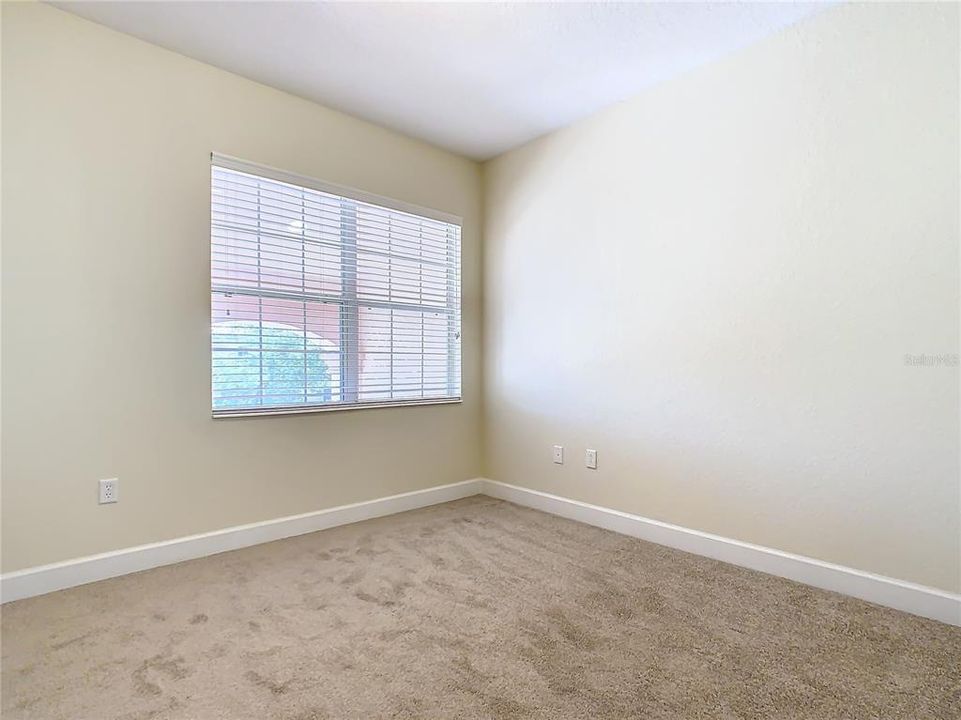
(473, 609)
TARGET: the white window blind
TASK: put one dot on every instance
(325, 298)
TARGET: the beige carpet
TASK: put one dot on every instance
(473, 609)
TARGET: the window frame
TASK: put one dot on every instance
(350, 348)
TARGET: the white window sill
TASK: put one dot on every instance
(333, 407)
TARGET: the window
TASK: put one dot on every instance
(327, 298)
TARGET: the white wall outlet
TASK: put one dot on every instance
(108, 491)
(559, 454)
(590, 459)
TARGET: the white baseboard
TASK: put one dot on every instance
(58, 576)
(909, 597)
(916, 599)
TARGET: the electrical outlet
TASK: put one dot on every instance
(590, 459)
(108, 491)
(559, 454)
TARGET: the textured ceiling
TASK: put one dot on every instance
(475, 78)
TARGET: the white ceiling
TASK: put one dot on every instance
(475, 78)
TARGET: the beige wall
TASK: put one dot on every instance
(715, 285)
(106, 144)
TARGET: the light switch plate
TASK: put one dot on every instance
(559, 454)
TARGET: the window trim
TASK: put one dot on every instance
(333, 407)
(271, 173)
